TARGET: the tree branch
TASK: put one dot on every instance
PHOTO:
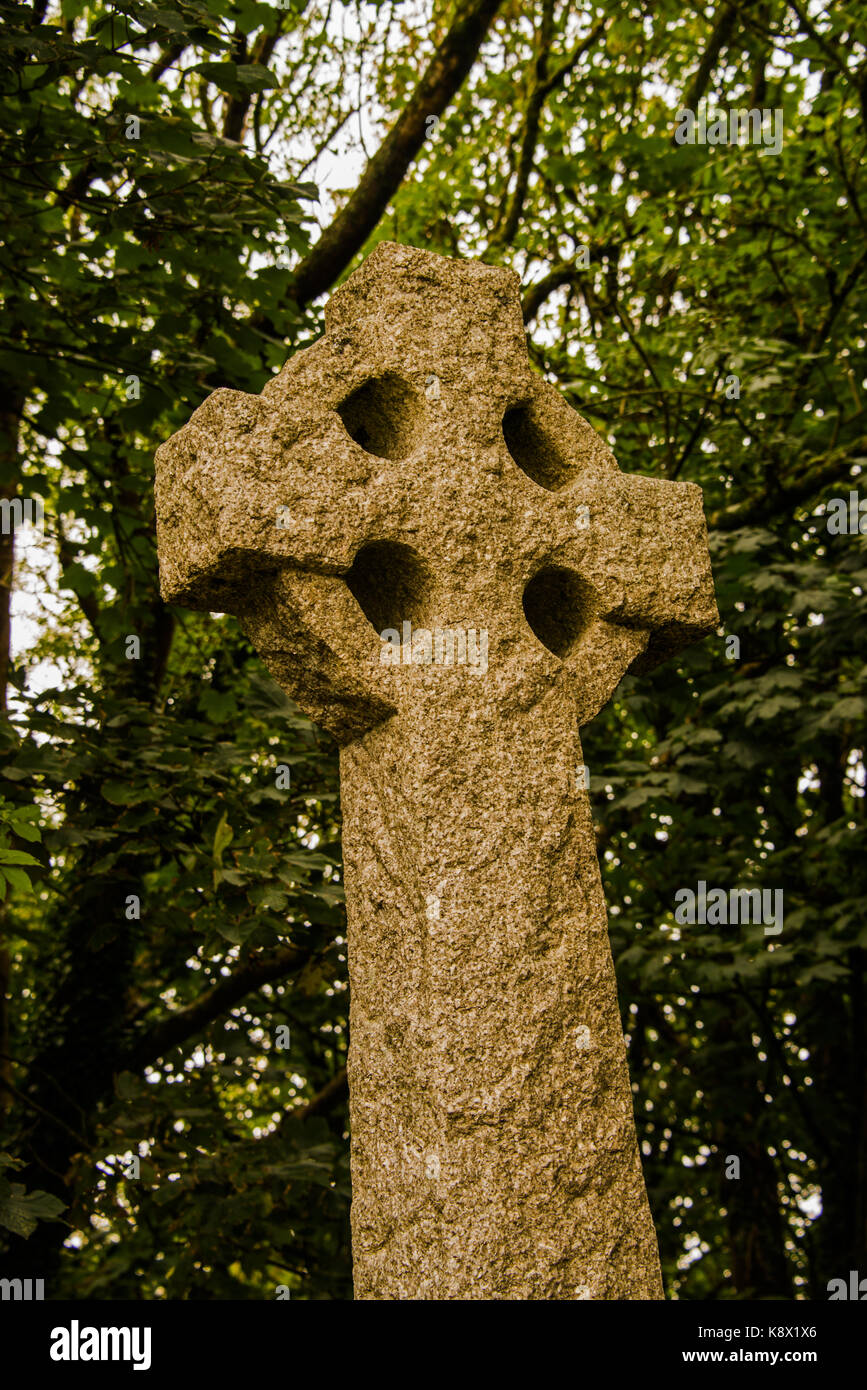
(238, 108)
(331, 1094)
(756, 510)
(544, 85)
(349, 230)
(535, 296)
(720, 35)
(529, 139)
(176, 1027)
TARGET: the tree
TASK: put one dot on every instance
(703, 307)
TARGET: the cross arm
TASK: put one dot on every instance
(253, 484)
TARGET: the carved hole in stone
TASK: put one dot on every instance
(533, 450)
(558, 605)
(383, 416)
(391, 585)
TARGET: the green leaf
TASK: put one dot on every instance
(223, 836)
(21, 1212)
(26, 830)
(19, 879)
(218, 706)
(255, 78)
(121, 793)
(236, 78)
(126, 1085)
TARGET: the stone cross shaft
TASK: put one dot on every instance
(410, 475)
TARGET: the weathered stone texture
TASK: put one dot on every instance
(421, 472)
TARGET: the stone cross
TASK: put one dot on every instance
(409, 475)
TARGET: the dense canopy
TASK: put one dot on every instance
(183, 185)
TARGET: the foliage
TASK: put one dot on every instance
(140, 273)
(14, 863)
(21, 1211)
